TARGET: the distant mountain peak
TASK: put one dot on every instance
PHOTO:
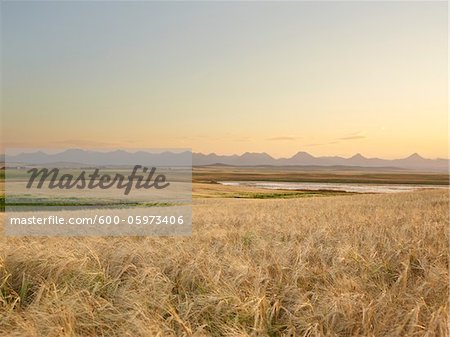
(302, 154)
(358, 156)
(415, 156)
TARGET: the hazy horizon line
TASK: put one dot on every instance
(173, 150)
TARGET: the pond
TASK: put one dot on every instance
(346, 187)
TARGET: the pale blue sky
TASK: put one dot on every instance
(324, 77)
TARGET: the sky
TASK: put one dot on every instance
(329, 78)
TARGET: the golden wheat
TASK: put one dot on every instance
(360, 265)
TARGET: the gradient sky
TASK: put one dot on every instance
(330, 78)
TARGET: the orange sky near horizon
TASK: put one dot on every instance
(328, 78)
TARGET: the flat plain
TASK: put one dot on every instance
(291, 265)
(334, 174)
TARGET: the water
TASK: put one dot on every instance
(346, 187)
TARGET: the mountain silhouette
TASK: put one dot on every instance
(167, 158)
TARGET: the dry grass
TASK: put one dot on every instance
(203, 190)
(362, 265)
(318, 174)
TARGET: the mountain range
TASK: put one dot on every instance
(121, 157)
(413, 162)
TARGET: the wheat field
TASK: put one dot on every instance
(356, 265)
